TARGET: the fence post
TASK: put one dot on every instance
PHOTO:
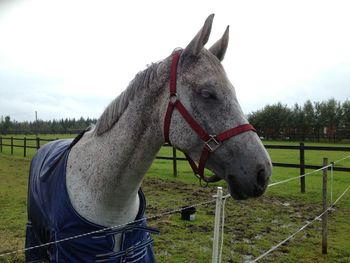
(324, 205)
(37, 143)
(174, 162)
(24, 147)
(302, 167)
(215, 256)
(0, 143)
(11, 145)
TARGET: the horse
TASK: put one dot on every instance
(94, 181)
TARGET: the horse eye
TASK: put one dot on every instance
(207, 94)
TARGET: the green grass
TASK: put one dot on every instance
(13, 202)
(251, 227)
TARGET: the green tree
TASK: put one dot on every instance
(328, 117)
(345, 123)
(273, 121)
(345, 120)
(6, 125)
(309, 119)
(297, 124)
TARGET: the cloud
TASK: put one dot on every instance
(26, 94)
(71, 58)
(322, 85)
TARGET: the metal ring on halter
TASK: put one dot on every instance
(173, 98)
(212, 144)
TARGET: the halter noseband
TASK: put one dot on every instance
(211, 142)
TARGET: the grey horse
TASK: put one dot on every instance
(105, 168)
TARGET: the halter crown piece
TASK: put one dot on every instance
(211, 142)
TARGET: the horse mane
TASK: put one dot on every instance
(115, 109)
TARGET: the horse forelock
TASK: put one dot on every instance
(117, 107)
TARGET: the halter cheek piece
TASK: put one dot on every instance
(211, 142)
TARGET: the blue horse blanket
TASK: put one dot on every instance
(52, 218)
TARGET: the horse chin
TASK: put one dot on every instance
(236, 194)
(237, 190)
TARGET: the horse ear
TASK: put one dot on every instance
(196, 45)
(220, 47)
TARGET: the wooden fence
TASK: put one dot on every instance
(27, 143)
(301, 165)
(36, 143)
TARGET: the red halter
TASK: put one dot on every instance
(211, 142)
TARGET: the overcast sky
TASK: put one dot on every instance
(67, 59)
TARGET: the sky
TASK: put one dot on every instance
(69, 59)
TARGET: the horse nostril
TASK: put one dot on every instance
(261, 178)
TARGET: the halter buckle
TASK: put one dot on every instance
(173, 98)
(212, 144)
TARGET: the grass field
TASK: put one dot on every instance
(251, 227)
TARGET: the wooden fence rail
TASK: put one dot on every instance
(36, 143)
(301, 165)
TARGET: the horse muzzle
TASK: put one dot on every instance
(241, 189)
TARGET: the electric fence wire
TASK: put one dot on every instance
(301, 229)
(154, 217)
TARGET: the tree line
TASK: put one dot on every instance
(312, 121)
(62, 126)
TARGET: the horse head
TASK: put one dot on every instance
(203, 90)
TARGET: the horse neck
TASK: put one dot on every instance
(108, 169)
